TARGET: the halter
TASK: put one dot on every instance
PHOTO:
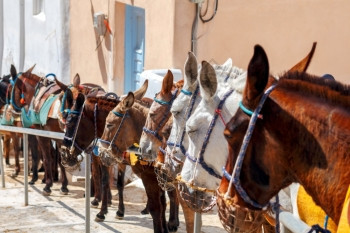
(200, 160)
(189, 112)
(13, 83)
(234, 178)
(72, 139)
(111, 143)
(162, 102)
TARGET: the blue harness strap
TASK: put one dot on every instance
(201, 161)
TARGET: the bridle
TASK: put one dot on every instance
(189, 112)
(235, 177)
(112, 142)
(169, 103)
(72, 139)
(200, 157)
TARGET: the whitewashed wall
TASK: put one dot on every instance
(30, 37)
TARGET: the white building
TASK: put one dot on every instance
(35, 32)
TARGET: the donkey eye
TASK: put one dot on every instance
(228, 134)
(175, 113)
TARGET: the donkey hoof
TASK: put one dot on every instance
(64, 191)
(14, 174)
(94, 203)
(145, 211)
(172, 228)
(99, 218)
(31, 182)
(46, 193)
(119, 215)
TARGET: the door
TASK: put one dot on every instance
(134, 47)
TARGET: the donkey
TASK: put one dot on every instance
(302, 135)
(156, 197)
(23, 95)
(6, 85)
(91, 113)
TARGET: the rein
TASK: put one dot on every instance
(189, 112)
(72, 139)
(111, 143)
(200, 158)
(161, 123)
(234, 178)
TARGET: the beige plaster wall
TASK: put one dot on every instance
(93, 64)
(286, 29)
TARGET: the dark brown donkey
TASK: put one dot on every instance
(7, 119)
(6, 85)
(71, 159)
(91, 114)
(29, 87)
(123, 128)
(302, 135)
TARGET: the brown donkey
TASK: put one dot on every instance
(301, 134)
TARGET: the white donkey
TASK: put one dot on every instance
(183, 107)
(207, 150)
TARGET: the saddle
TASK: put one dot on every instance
(44, 93)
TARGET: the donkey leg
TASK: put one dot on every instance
(100, 217)
(16, 147)
(35, 158)
(155, 204)
(7, 140)
(45, 145)
(96, 181)
(174, 222)
(188, 213)
(54, 162)
(64, 190)
(120, 188)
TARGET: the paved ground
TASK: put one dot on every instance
(59, 213)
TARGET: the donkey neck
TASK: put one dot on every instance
(316, 139)
(104, 106)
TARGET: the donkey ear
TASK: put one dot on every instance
(304, 64)
(76, 80)
(208, 80)
(228, 64)
(258, 73)
(13, 72)
(61, 85)
(168, 82)
(127, 102)
(30, 69)
(80, 101)
(138, 94)
(191, 69)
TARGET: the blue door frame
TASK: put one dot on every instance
(134, 47)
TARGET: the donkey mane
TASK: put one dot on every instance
(103, 102)
(332, 91)
(141, 107)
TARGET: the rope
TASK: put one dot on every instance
(200, 157)
(318, 229)
(235, 177)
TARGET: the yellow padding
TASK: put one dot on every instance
(344, 222)
(133, 158)
(311, 213)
